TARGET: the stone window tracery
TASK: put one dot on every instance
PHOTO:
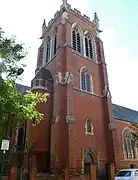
(89, 46)
(86, 80)
(128, 145)
(48, 49)
(76, 39)
(54, 42)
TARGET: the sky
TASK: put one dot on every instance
(118, 20)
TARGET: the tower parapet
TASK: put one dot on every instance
(67, 7)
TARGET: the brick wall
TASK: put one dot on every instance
(121, 162)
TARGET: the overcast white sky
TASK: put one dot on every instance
(118, 20)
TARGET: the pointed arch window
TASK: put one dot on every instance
(128, 145)
(48, 49)
(40, 56)
(54, 42)
(89, 46)
(86, 80)
(76, 39)
(89, 127)
(83, 80)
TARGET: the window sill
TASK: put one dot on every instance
(90, 134)
(53, 57)
(129, 159)
(87, 58)
(76, 52)
(40, 88)
(87, 92)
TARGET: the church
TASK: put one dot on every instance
(81, 125)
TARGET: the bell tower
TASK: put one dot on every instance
(71, 68)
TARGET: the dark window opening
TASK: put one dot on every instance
(91, 49)
(31, 84)
(37, 83)
(88, 82)
(78, 43)
(88, 47)
(43, 83)
(55, 44)
(48, 50)
(89, 128)
(83, 81)
(20, 142)
(76, 40)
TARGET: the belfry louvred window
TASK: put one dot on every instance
(55, 45)
(76, 40)
(48, 49)
(54, 42)
(89, 47)
(40, 56)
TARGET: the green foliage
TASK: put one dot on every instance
(12, 54)
(21, 107)
(15, 105)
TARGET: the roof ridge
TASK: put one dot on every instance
(125, 107)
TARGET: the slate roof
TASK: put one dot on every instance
(124, 114)
(22, 88)
(119, 112)
(44, 74)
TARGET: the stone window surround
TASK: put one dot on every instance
(83, 35)
(86, 129)
(83, 53)
(123, 147)
(91, 80)
(39, 86)
(52, 41)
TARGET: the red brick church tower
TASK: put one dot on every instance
(77, 126)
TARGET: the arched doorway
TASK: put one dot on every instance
(89, 160)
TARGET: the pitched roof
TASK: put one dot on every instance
(44, 74)
(22, 88)
(124, 114)
(119, 112)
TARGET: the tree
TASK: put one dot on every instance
(15, 106)
(12, 54)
